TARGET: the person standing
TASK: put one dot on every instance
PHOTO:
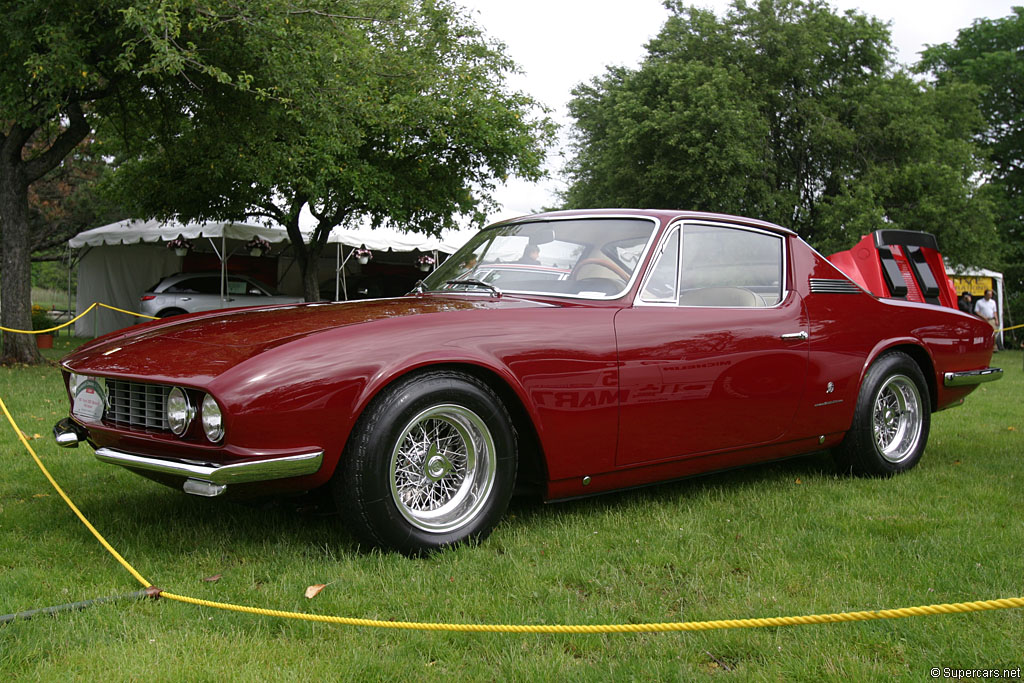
(964, 303)
(986, 310)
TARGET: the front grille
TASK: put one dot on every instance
(134, 404)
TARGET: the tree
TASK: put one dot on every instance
(783, 110)
(66, 201)
(64, 69)
(988, 55)
(398, 116)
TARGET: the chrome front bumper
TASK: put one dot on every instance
(237, 473)
(971, 377)
(202, 480)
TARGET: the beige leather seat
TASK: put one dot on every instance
(730, 297)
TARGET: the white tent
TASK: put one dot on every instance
(976, 280)
(384, 239)
(135, 232)
(119, 261)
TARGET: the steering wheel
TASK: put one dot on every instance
(604, 263)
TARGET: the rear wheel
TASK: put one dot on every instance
(431, 463)
(892, 419)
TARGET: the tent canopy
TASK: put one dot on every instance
(118, 261)
(385, 239)
(133, 231)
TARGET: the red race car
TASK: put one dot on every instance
(618, 348)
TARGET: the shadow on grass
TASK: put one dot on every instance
(729, 482)
(144, 510)
(309, 524)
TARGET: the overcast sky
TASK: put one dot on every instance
(560, 43)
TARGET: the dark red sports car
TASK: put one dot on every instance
(646, 346)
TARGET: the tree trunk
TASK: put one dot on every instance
(311, 278)
(16, 286)
(306, 254)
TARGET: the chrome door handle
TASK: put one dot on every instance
(186, 298)
(795, 336)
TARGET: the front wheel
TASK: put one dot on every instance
(892, 419)
(431, 463)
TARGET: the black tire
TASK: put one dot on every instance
(892, 419)
(430, 463)
(168, 312)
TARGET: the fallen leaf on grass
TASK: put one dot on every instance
(315, 589)
(212, 579)
(41, 495)
(1011, 429)
(798, 481)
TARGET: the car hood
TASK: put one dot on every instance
(204, 345)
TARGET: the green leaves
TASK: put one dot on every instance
(782, 110)
(392, 111)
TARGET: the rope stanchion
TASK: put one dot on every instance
(833, 618)
(92, 306)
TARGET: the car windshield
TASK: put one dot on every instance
(592, 258)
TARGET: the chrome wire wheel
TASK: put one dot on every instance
(442, 468)
(897, 418)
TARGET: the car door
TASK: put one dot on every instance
(245, 292)
(713, 354)
(196, 293)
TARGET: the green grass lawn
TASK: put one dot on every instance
(51, 298)
(783, 539)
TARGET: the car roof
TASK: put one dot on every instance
(169, 280)
(662, 215)
(178, 277)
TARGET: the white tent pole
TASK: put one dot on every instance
(67, 257)
(337, 267)
(344, 281)
(1002, 310)
(223, 267)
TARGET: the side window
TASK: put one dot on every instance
(661, 285)
(240, 287)
(196, 285)
(730, 267)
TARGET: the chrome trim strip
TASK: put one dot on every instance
(833, 286)
(237, 473)
(971, 377)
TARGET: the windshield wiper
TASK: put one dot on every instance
(476, 283)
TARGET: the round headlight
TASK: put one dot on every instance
(213, 423)
(179, 411)
(74, 379)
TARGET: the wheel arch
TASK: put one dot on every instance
(917, 353)
(532, 472)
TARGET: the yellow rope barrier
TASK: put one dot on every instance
(74, 508)
(79, 317)
(833, 618)
(838, 617)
